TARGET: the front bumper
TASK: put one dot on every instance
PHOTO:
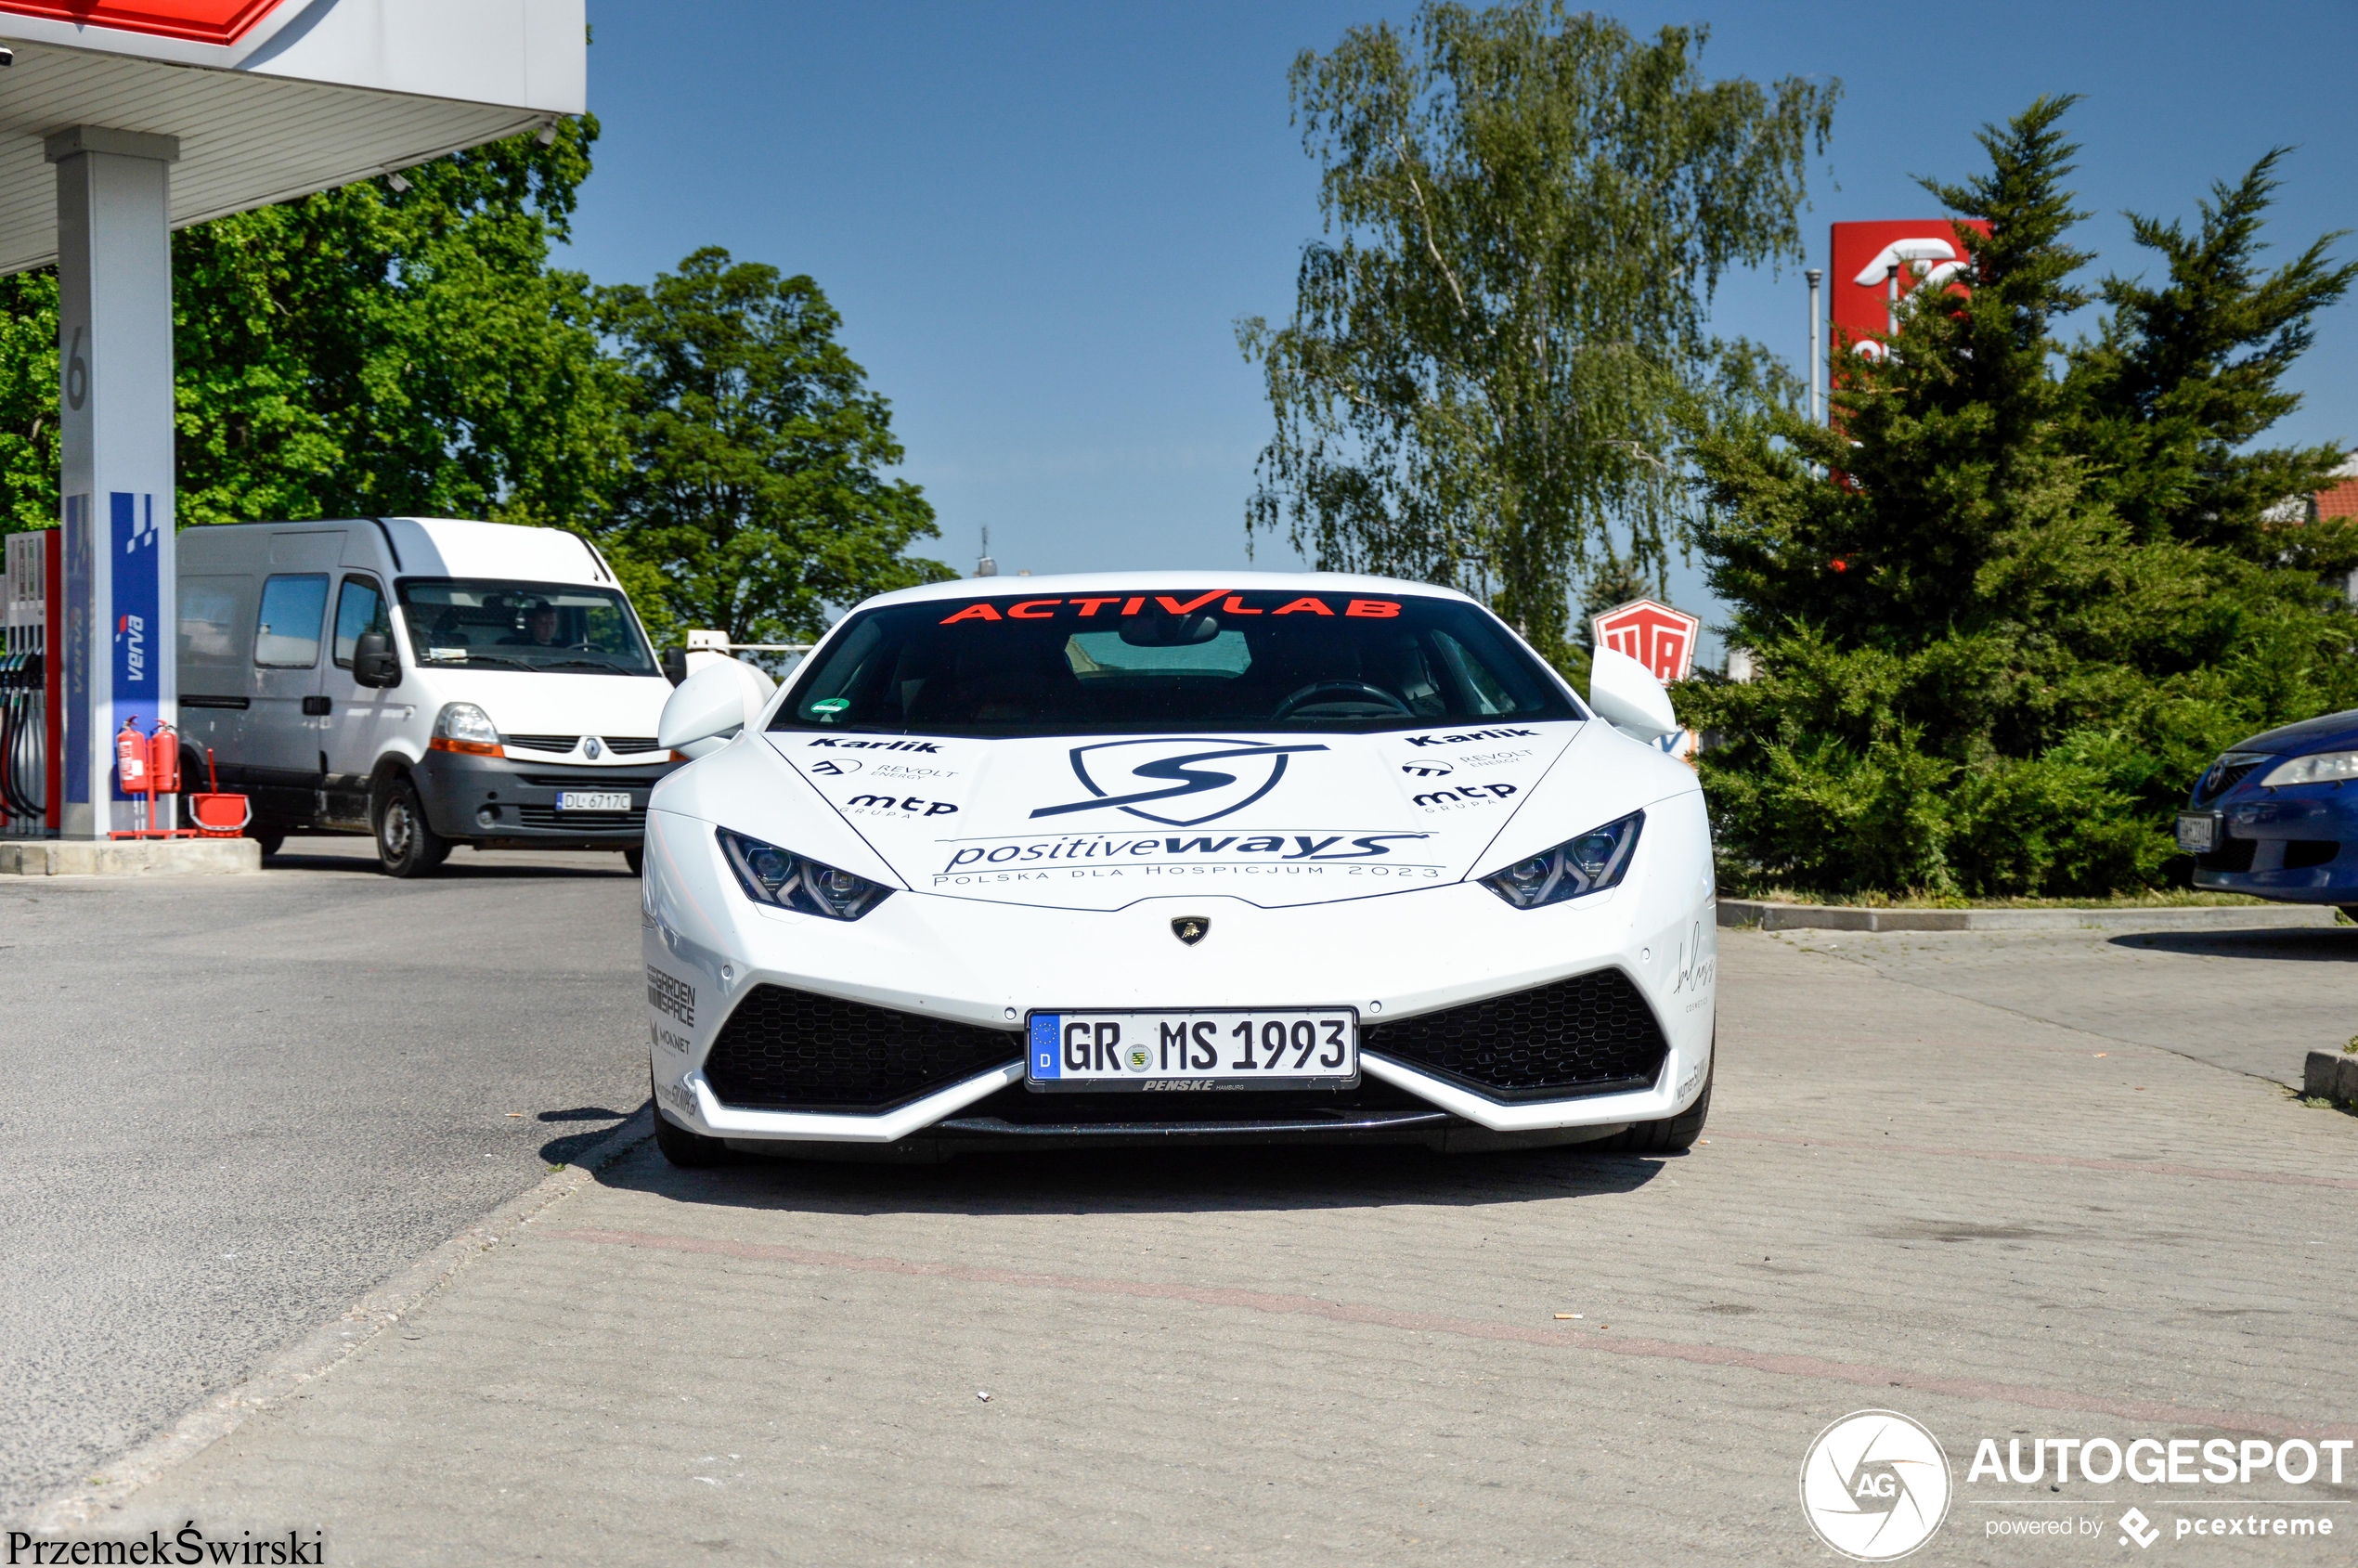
(2294, 844)
(511, 801)
(979, 967)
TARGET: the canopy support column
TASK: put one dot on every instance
(115, 431)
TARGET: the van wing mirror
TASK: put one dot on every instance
(374, 662)
(711, 706)
(1625, 695)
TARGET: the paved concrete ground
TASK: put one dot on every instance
(2255, 1001)
(2004, 1227)
(229, 1104)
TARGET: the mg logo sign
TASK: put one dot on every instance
(1655, 635)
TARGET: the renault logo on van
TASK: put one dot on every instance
(591, 749)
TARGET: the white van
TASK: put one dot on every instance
(428, 681)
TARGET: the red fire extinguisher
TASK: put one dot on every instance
(163, 759)
(131, 758)
(163, 775)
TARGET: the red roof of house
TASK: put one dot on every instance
(2338, 499)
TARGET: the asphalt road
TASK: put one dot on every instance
(2256, 1001)
(2008, 1230)
(229, 1104)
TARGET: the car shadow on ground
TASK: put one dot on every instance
(1149, 1180)
(566, 1149)
(2335, 944)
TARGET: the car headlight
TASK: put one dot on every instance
(785, 880)
(1589, 863)
(2318, 766)
(463, 727)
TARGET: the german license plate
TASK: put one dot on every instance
(594, 800)
(1197, 1048)
(2198, 832)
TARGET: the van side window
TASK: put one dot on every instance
(360, 609)
(285, 635)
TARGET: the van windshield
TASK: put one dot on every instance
(483, 623)
(1123, 662)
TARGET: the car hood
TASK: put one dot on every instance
(1100, 822)
(2331, 731)
(552, 702)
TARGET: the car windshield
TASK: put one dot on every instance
(483, 624)
(1260, 659)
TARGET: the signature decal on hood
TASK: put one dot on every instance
(1469, 735)
(1178, 766)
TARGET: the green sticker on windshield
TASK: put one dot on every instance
(830, 705)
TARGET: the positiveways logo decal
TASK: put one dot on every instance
(1214, 778)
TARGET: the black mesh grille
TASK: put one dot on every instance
(2222, 776)
(582, 822)
(629, 746)
(1592, 1034)
(2302, 853)
(540, 743)
(2232, 854)
(791, 1050)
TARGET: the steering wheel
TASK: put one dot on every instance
(1342, 688)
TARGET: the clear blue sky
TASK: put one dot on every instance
(1040, 221)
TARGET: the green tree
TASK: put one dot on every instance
(29, 398)
(756, 495)
(1977, 677)
(1480, 382)
(373, 350)
(2186, 375)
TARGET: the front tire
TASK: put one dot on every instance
(1672, 1135)
(682, 1149)
(406, 843)
(635, 858)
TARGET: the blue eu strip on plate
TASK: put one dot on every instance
(1044, 1035)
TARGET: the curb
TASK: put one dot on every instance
(2330, 1075)
(129, 857)
(315, 1352)
(1771, 916)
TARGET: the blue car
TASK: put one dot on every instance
(2277, 817)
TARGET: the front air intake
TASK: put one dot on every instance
(1592, 1034)
(796, 1050)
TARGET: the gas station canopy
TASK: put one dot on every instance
(271, 100)
(123, 120)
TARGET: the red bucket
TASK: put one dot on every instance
(220, 816)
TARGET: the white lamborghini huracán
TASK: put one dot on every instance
(1152, 856)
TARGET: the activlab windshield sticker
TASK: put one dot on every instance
(1217, 600)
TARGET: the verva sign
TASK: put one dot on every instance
(198, 22)
(1655, 635)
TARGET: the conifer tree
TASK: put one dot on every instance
(1978, 676)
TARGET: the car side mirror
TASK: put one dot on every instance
(1625, 695)
(374, 662)
(675, 665)
(712, 704)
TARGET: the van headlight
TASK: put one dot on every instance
(785, 880)
(1591, 863)
(462, 727)
(2318, 766)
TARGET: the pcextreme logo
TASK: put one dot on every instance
(1875, 1485)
